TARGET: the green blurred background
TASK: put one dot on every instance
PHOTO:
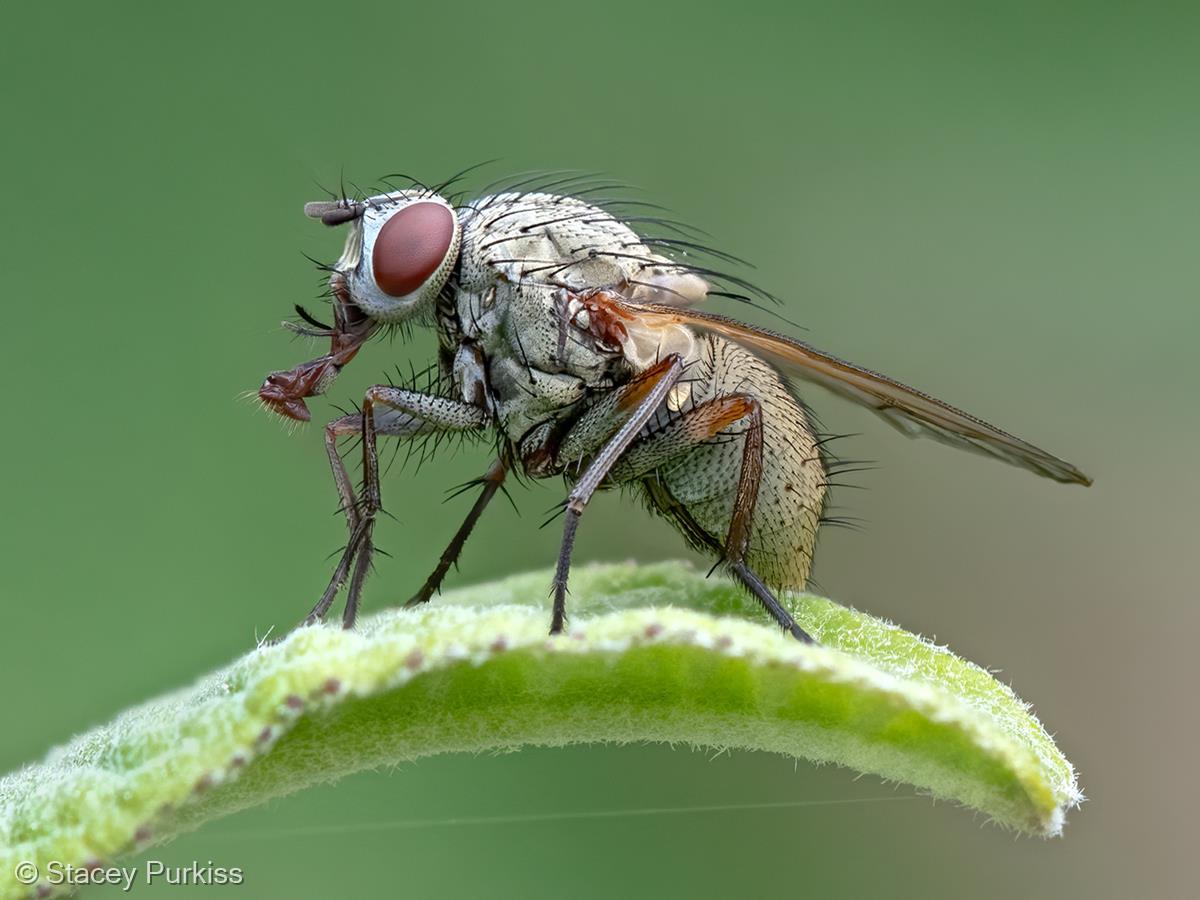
(997, 203)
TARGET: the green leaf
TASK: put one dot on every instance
(654, 653)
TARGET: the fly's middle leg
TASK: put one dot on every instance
(490, 483)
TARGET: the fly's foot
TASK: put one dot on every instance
(801, 635)
(357, 556)
(424, 595)
(558, 620)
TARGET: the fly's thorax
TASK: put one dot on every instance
(540, 237)
(542, 328)
(566, 242)
(540, 365)
(526, 398)
(545, 262)
(532, 278)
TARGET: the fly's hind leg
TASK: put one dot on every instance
(401, 413)
(737, 540)
(700, 424)
(763, 594)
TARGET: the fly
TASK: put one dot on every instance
(578, 344)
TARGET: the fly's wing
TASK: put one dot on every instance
(905, 408)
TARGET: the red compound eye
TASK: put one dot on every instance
(411, 246)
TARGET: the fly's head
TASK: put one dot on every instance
(399, 254)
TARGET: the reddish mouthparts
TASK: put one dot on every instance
(280, 400)
(284, 392)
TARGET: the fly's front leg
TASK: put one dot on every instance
(388, 411)
(638, 401)
(395, 424)
(347, 503)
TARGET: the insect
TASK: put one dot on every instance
(577, 343)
